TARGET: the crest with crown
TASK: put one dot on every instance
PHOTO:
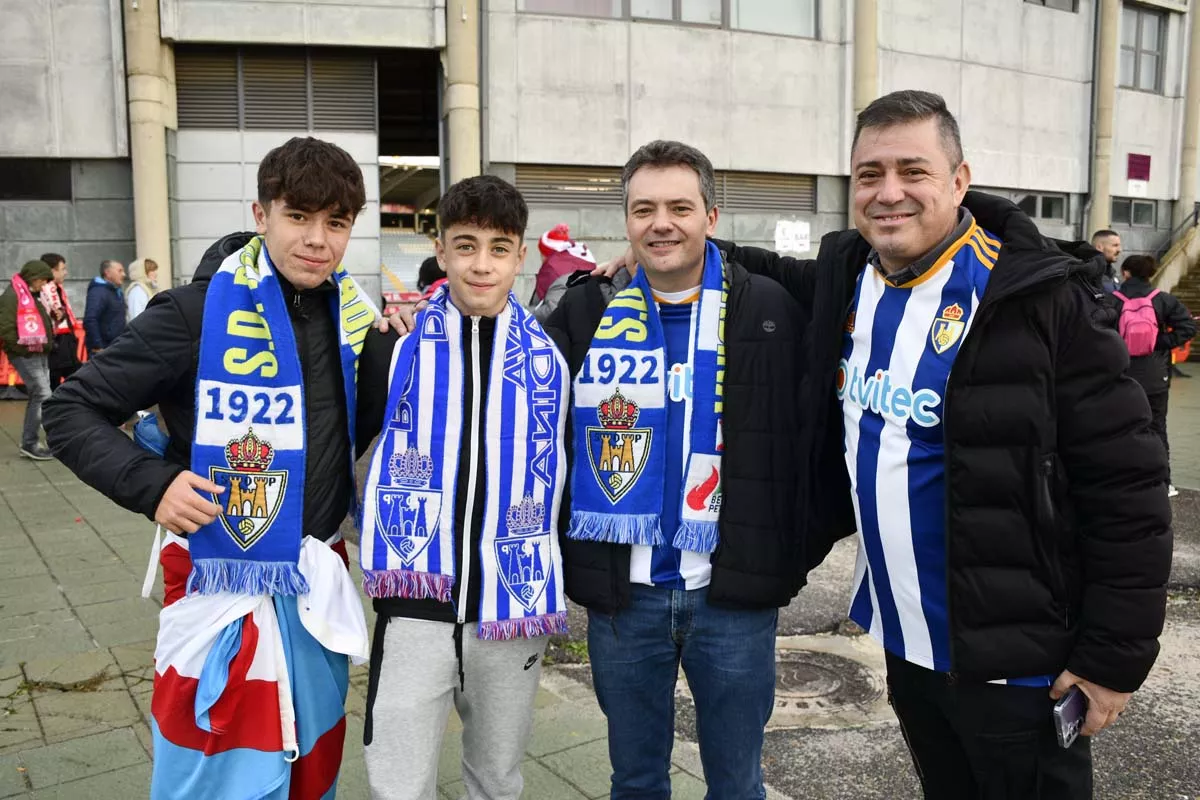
(528, 516)
(618, 412)
(410, 468)
(249, 453)
(953, 313)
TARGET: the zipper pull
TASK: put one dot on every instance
(474, 324)
(296, 300)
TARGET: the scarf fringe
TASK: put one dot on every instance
(408, 584)
(697, 537)
(524, 627)
(594, 526)
(213, 575)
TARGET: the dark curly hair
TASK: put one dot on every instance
(486, 201)
(312, 175)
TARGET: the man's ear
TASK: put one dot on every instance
(260, 216)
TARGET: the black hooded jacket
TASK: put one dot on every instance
(1058, 534)
(154, 362)
(1175, 329)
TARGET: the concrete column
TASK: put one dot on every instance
(1191, 122)
(149, 113)
(1100, 213)
(866, 53)
(462, 88)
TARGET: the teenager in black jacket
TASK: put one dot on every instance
(653, 607)
(1175, 329)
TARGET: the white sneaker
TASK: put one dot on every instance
(1172, 491)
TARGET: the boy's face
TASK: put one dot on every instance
(305, 246)
(481, 265)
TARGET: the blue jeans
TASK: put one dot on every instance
(728, 657)
(35, 374)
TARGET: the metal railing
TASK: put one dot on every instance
(1189, 222)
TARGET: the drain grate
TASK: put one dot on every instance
(808, 683)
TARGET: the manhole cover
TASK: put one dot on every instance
(808, 683)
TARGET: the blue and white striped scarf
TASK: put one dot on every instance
(408, 522)
(620, 422)
(249, 435)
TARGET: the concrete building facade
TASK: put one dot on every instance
(567, 89)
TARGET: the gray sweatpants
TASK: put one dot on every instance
(417, 682)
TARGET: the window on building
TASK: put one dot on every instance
(1061, 5)
(582, 8)
(275, 88)
(35, 179)
(784, 17)
(1051, 207)
(1143, 42)
(1134, 213)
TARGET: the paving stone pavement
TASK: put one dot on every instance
(77, 646)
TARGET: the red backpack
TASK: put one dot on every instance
(1138, 325)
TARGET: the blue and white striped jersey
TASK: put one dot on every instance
(900, 344)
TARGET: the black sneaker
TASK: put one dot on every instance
(39, 452)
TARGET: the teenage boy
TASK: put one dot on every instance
(683, 540)
(459, 537)
(253, 367)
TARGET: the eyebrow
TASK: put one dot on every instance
(675, 201)
(904, 162)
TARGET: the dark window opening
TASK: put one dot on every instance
(35, 179)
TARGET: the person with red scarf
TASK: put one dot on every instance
(65, 358)
(25, 329)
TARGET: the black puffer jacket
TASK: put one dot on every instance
(760, 560)
(1058, 525)
(154, 362)
(1176, 328)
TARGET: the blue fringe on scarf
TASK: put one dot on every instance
(594, 526)
(213, 575)
(697, 537)
(526, 627)
(408, 584)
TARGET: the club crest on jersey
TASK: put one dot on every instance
(253, 491)
(947, 329)
(407, 511)
(617, 450)
(523, 556)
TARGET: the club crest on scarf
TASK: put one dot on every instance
(408, 510)
(524, 554)
(253, 492)
(617, 449)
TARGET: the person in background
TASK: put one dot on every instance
(562, 259)
(104, 314)
(64, 359)
(25, 329)
(1109, 244)
(143, 276)
(1152, 323)
(430, 277)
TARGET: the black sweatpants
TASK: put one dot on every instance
(1158, 422)
(984, 741)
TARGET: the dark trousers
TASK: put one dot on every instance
(1158, 422)
(983, 741)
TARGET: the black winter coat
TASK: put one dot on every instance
(1175, 329)
(760, 561)
(1057, 521)
(103, 314)
(154, 362)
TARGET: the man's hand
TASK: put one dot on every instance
(1104, 705)
(402, 321)
(624, 261)
(182, 508)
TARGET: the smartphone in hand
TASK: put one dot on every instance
(1069, 714)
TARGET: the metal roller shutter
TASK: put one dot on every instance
(571, 186)
(206, 84)
(274, 90)
(758, 192)
(343, 92)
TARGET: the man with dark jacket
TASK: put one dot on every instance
(1175, 328)
(104, 312)
(966, 410)
(28, 347)
(683, 539)
(309, 195)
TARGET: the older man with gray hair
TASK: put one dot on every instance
(104, 313)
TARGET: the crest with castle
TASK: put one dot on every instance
(619, 415)
(254, 490)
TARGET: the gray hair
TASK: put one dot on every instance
(660, 153)
(105, 264)
(912, 105)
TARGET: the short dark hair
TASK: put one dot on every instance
(1142, 267)
(912, 105)
(1103, 232)
(52, 260)
(429, 273)
(486, 201)
(662, 153)
(105, 264)
(312, 175)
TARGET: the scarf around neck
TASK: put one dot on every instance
(408, 525)
(250, 424)
(620, 422)
(31, 328)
